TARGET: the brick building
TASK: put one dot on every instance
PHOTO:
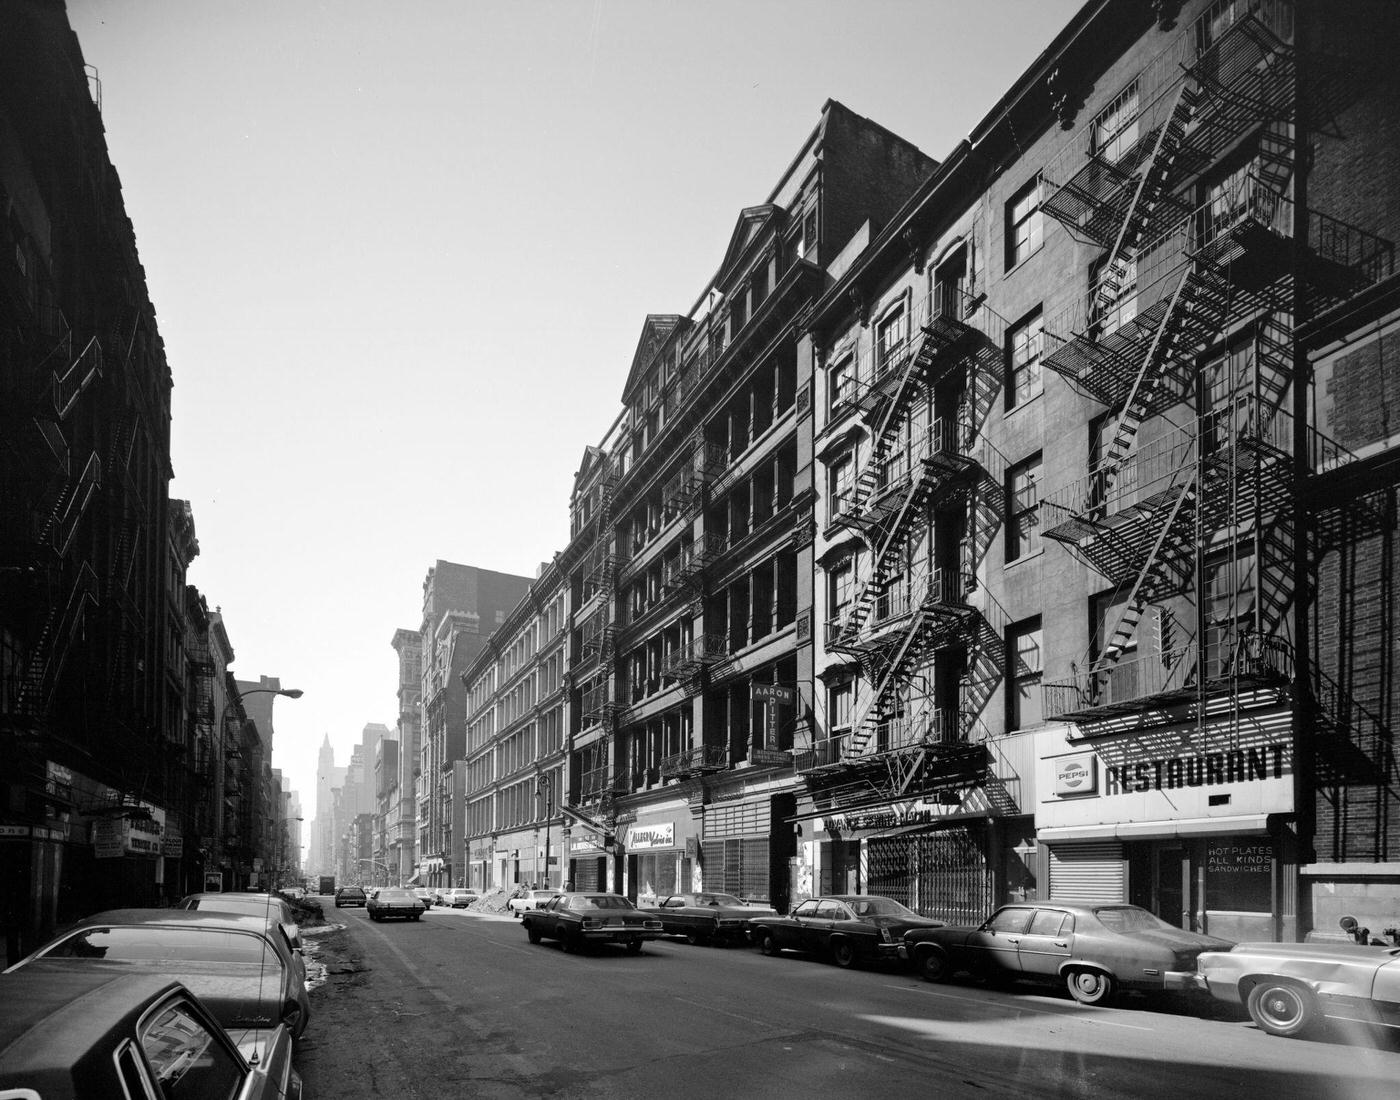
(1105, 565)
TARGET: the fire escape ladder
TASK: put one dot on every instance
(1147, 195)
(887, 557)
(55, 640)
(872, 713)
(62, 523)
(69, 385)
(1169, 539)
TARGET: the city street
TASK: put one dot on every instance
(460, 1004)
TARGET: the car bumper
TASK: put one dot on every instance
(619, 935)
(1179, 981)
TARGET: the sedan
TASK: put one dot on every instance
(1094, 950)
(243, 973)
(276, 910)
(459, 898)
(389, 902)
(97, 1033)
(426, 896)
(521, 900)
(578, 919)
(350, 895)
(849, 928)
(709, 918)
(1290, 987)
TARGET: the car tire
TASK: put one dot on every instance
(532, 933)
(933, 965)
(843, 953)
(634, 947)
(1089, 987)
(1281, 1008)
(416, 916)
(694, 938)
(767, 944)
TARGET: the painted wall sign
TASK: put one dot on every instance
(652, 836)
(1225, 768)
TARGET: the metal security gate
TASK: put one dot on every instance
(1087, 873)
(942, 874)
(738, 866)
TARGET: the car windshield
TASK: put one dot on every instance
(717, 899)
(395, 895)
(138, 943)
(879, 907)
(599, 901)
(1129, 918)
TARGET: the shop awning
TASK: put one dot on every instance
(1246, 824)
(414, 881)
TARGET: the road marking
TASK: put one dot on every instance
(709, 1008)
(1072, 1014)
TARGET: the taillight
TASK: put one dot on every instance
(593, 922)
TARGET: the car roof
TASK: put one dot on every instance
(81, 1006)
(200, 918)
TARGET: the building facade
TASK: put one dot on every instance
(513, 774)
(404, 828)
(462, 605)
(691, 557)
(1095, 466)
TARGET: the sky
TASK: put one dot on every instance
(401, 254)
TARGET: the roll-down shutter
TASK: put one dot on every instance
(1087, 873)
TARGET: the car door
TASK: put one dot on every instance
(816, 932)
(995, 947)
(795, 930)
(1047, 943)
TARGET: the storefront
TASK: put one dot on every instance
(1189, 821)
(588, 864)
(660, 854)
(747, 847)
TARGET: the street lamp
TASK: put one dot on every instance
(544, 791)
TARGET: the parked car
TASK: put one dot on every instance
(459, 898)
(240, 969)
(524, 899)
(708, 917)
(350, 895)
(850, 928)
(390, 902)
(1289, 988)
(581, 918)
(146, 1037)
(276, 910)
(426, 896)
(440, 894)
(1094, 950)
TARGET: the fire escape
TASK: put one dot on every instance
(57, 488)
(921, 507)
(1188, 269)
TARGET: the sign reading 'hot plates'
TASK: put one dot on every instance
(652, 836)
(1076, 774)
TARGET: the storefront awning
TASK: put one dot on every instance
(414, 881)
(1246, 824)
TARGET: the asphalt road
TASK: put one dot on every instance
(459, 1004)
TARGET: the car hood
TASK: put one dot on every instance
(236, 994)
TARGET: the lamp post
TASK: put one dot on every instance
(544, 791)
(290, 693)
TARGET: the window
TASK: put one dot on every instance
(1024, 227)
(807, 243)
(840, 586)
(841, 485)
(838, 706)
(1112, 295)
(1023, 650)
(1026, 343)
(1023, 520)
(1115, 131)
(841, 384)
(890, 337)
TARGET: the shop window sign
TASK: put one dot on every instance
(1239, 876)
